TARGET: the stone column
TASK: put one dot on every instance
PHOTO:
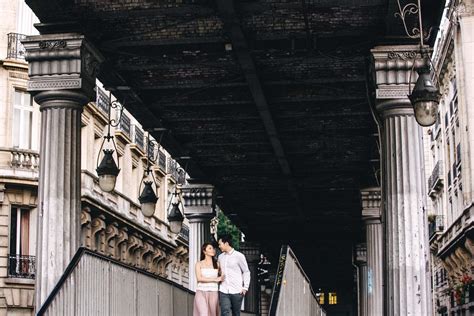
(62, 70)
(198, 209)
(371, 212)
(252, 254)
(407, 286)
(361, 261)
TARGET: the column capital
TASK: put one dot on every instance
(361, 254)
(62, 62)
(371, 203)
(198, 201)
(392, 66)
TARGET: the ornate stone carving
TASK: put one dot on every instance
(52, 44)
(111, 233)
(371, 201)
(158, 256)
(98, 234)
(402, 55)
(122, 245)
(134, 245)
(86, 229)
(106, 236)
(198, 199)
(69, 63)
(146, 256)
(393, 67)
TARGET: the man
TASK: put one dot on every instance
(236, 277)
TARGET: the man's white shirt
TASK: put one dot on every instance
(236, 272)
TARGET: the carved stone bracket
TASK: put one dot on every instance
(111, 233)
(98, 234)
(108, 237)
(86, 228)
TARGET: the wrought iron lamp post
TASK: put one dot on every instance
(425, 95)
(175, 217)
(108, 170)
(148, 197)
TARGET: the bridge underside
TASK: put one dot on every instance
(268, 97)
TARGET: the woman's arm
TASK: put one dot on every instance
(202, 279)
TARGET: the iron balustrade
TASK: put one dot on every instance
(435, 180)
(184, 232)
(138, 137)
(436, 226)
(151, 149)
(21, 266)
(15, 49)
(162, 160)
(125, 124)
(102, 101)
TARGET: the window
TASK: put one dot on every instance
(19, 231)
(22, 119)
(332, 298)
(20, 263)
(320, 297)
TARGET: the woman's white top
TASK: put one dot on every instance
(208, 286)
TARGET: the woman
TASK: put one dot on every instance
(206, 300)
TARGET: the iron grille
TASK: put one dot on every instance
(125, 124)
(21, 266)
(437, 225)
(15, 49)
(436, 176)
(138, 137)
(151, 149)
(162, 160)
(102, 101)
(184, 232)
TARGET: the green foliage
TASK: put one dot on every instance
(225, 226)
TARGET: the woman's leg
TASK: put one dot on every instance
(200, 304)
(213, 300)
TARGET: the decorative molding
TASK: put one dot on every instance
(198, 200)
(69, 63)
(360, 255)
(52, 84)
(402, 55)
(109, 237)
(371, 203)
(58, 44)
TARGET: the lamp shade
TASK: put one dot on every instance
(107, 171)
(148, 199)
(425, 98)
(175, 218)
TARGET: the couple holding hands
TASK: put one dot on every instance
(221, 283)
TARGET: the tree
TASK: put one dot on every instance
(225, 226)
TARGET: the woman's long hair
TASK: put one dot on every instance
(203, 256)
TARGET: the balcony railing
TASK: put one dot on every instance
(162, 160)
(15, 49)
(102, 101)
(23, 158)
(138, 137)
(435, 182)
(21, 266)
(125, 124)
(184, 232)
(436, 225)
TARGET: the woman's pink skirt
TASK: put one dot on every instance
(206, 303)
